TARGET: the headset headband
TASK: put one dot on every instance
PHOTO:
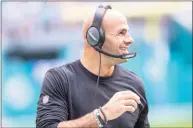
(99, 15)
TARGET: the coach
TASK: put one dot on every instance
(95, 91)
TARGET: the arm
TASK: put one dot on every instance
(143, 121)
(55, 110)
(54, 113)
(86, 121)
(120, 102)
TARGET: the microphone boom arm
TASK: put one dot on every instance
(123, 56)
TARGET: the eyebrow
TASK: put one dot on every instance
(122, 29)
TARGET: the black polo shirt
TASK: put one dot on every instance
(69, 92)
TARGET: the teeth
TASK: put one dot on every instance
(124, 49)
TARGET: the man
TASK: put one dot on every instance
(69, 95)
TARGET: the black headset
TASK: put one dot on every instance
(96, 35)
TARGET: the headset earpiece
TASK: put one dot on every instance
(95, 34)
(102, 34)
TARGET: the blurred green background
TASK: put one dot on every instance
(37, 36)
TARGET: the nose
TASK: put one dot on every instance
(128, 40)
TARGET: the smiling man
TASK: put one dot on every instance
(72, 95)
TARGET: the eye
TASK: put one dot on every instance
(123, 32)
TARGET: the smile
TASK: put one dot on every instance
(124, 49)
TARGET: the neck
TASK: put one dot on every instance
(91, 63)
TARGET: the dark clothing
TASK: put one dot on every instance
(69, 92)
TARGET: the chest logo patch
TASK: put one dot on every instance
(45, 99)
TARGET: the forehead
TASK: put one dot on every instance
(116, 23)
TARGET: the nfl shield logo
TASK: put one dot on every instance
(45, 99)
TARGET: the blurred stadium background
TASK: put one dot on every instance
(37, 36)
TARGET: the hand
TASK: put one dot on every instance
(121, 102)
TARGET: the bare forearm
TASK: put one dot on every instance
(86, 121)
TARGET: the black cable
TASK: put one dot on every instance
(105, 121)
(97, 83)
(99, 69)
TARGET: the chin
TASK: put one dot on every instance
(120, 61)
(124, 60)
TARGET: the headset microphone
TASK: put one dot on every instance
(97, 48)
(123, 56)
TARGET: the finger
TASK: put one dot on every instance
(129, 96)
(123, 92)
(129, 108)
(129, 102)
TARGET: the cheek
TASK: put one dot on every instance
(117, 42)
(112, 44)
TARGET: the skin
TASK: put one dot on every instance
(116, 37)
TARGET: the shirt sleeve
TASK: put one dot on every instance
(143, 121)
(52, 106)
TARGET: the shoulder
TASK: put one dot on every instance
(63, 70)
(58, 77)
(129, 75)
